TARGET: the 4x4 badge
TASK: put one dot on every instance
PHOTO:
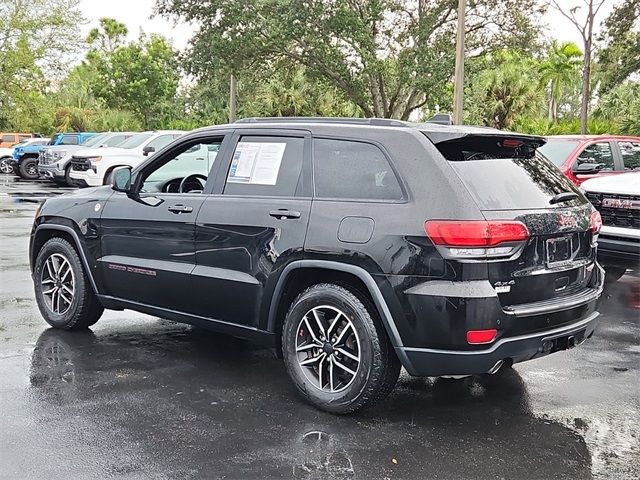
(504, 287)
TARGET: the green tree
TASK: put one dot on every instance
(36, 38)
(619, 57)
(501, 95)
(560, 69)
(142, 77)
(388, 57)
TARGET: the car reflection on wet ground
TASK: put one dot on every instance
(139, 397)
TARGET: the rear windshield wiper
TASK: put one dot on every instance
(563, 197)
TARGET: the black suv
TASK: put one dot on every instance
(353, 246)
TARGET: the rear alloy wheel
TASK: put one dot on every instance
(5, 165)
(29, 168)
(336, 350)
(64, 294)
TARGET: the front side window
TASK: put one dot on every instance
(599, 154)
(69, 140)
(186, 171)
(160, 142)
(630, 155)
(353, 170)
(265, 166)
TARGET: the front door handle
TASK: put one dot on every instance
(180, 209)
(284, 213)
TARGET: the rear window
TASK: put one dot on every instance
(501, 178)
(557, 151)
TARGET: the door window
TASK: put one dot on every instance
(353, 170)
(184, 171)
(598, 153)
(265, 166)
(160, 142)
(69, 140)
(24, 137)
(630, 155)
(7, 138)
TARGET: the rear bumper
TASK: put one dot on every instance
(434, 362)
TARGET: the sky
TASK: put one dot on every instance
(136, 14)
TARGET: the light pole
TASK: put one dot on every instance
(458, 81)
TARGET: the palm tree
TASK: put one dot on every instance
(558, 70)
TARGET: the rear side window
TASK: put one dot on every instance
(24, 137)
(598, 153)
(8, 138)
(115, 140)
(265, 166)
(353, 170)
(501, 177)
(630, 155)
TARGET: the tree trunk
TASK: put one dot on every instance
(586, 94)
(232, 98)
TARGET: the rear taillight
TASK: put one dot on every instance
(595, 222)
(477, 238)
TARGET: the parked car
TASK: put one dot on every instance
(6, 153)
(353, 246)
(54, 162)
(617, 199)
(90, 168)
(25, 158)
(581, 157)
(11, 139)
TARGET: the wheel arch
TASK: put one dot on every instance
(303, 273)
(46, 232)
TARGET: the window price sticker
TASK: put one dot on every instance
(256, 163)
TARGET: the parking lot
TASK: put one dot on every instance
(140, 397)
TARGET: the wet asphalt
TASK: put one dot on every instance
(141, 397)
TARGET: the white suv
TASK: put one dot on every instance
(93, 167)
(617, 198)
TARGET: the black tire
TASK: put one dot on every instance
(84, 309)
(68, 181)
(29, 168)
(379, 366)
(613, 274)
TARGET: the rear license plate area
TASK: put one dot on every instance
(558, 250)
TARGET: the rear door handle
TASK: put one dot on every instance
(284, 213)
(180, 209)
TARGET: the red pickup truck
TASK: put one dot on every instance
(581, 157)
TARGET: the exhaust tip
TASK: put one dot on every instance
(493, 370)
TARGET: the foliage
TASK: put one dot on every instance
(619, 59)
(558, 71)
(388, 57)
(499, 96)
(621, 105)
(35, 40)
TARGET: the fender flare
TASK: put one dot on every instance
(362, 274)
(76, 240)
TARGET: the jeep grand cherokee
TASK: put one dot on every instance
(352, 246)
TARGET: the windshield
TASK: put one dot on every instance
(95, 140)
(557, 150)
(54, 139)
(135, 141)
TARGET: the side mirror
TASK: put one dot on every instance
(147, 150)
(122, 180)
(588, 168)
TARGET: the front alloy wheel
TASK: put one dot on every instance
(5, 165)
(58, 284)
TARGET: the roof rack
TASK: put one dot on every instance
(380, 122)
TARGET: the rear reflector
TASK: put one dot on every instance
(475, 233)
(479, 337)
(595, 222)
